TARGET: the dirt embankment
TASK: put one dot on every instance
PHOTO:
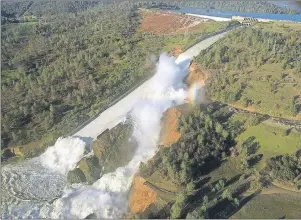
(196, 75)
(169, 131)
(141, 197)
(175, 52)
(167, 23)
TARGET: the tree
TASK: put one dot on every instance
(176, 210)
(236, 201)
(190, 187)
(227, 195)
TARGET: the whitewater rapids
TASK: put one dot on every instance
(38, 188)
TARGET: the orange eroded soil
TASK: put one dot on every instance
(169, 131)
(167, 23)
(141, 197)
(195, 75)
(175, 52)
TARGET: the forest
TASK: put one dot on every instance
(64, 61)
(253, 64)
(61, 70)
(12, 10)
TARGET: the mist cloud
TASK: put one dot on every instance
(107, 197)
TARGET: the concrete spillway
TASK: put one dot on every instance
(116, 113)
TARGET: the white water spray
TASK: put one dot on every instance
(107, 197)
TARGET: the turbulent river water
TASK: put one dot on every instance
(38, 188)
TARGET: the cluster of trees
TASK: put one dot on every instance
(285, 168)
(60, 71)
(248, 153)
(207, 138)
(203, 143)
(16, 11)
(254, 46)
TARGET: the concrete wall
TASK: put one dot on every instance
(210, 17)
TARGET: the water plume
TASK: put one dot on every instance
(107, 197)
(64, 155)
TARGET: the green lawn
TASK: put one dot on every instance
(272, 141)
(273, 206)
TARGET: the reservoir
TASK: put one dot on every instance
(229, 14)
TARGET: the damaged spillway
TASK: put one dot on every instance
(39, 188)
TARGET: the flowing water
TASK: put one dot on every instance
(38, 188)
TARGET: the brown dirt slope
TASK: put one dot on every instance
(141, 197)
(196, 75)
(169, 131)
(167, 23)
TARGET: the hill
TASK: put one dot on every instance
(63, 70)
(257, 69)
(233, 162)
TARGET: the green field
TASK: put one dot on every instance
(273, 206)
(228, 170)
(272, 141)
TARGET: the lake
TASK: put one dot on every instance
(229, 14)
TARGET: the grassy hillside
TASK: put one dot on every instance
(234, 177)
(273, 206)
(272, 140)
(257, 68)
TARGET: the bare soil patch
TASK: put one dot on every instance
(196, 75)
(141, 196)
(169, 131)
(167, 23)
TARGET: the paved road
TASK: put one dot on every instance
(116, 113)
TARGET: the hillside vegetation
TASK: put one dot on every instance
(60, 72)
(219, 164)
(257, 68)
(228, 163)
(61, 67)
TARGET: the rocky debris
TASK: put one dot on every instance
(113, 148)
(195, 75)
(76, 176)
(91, 168)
